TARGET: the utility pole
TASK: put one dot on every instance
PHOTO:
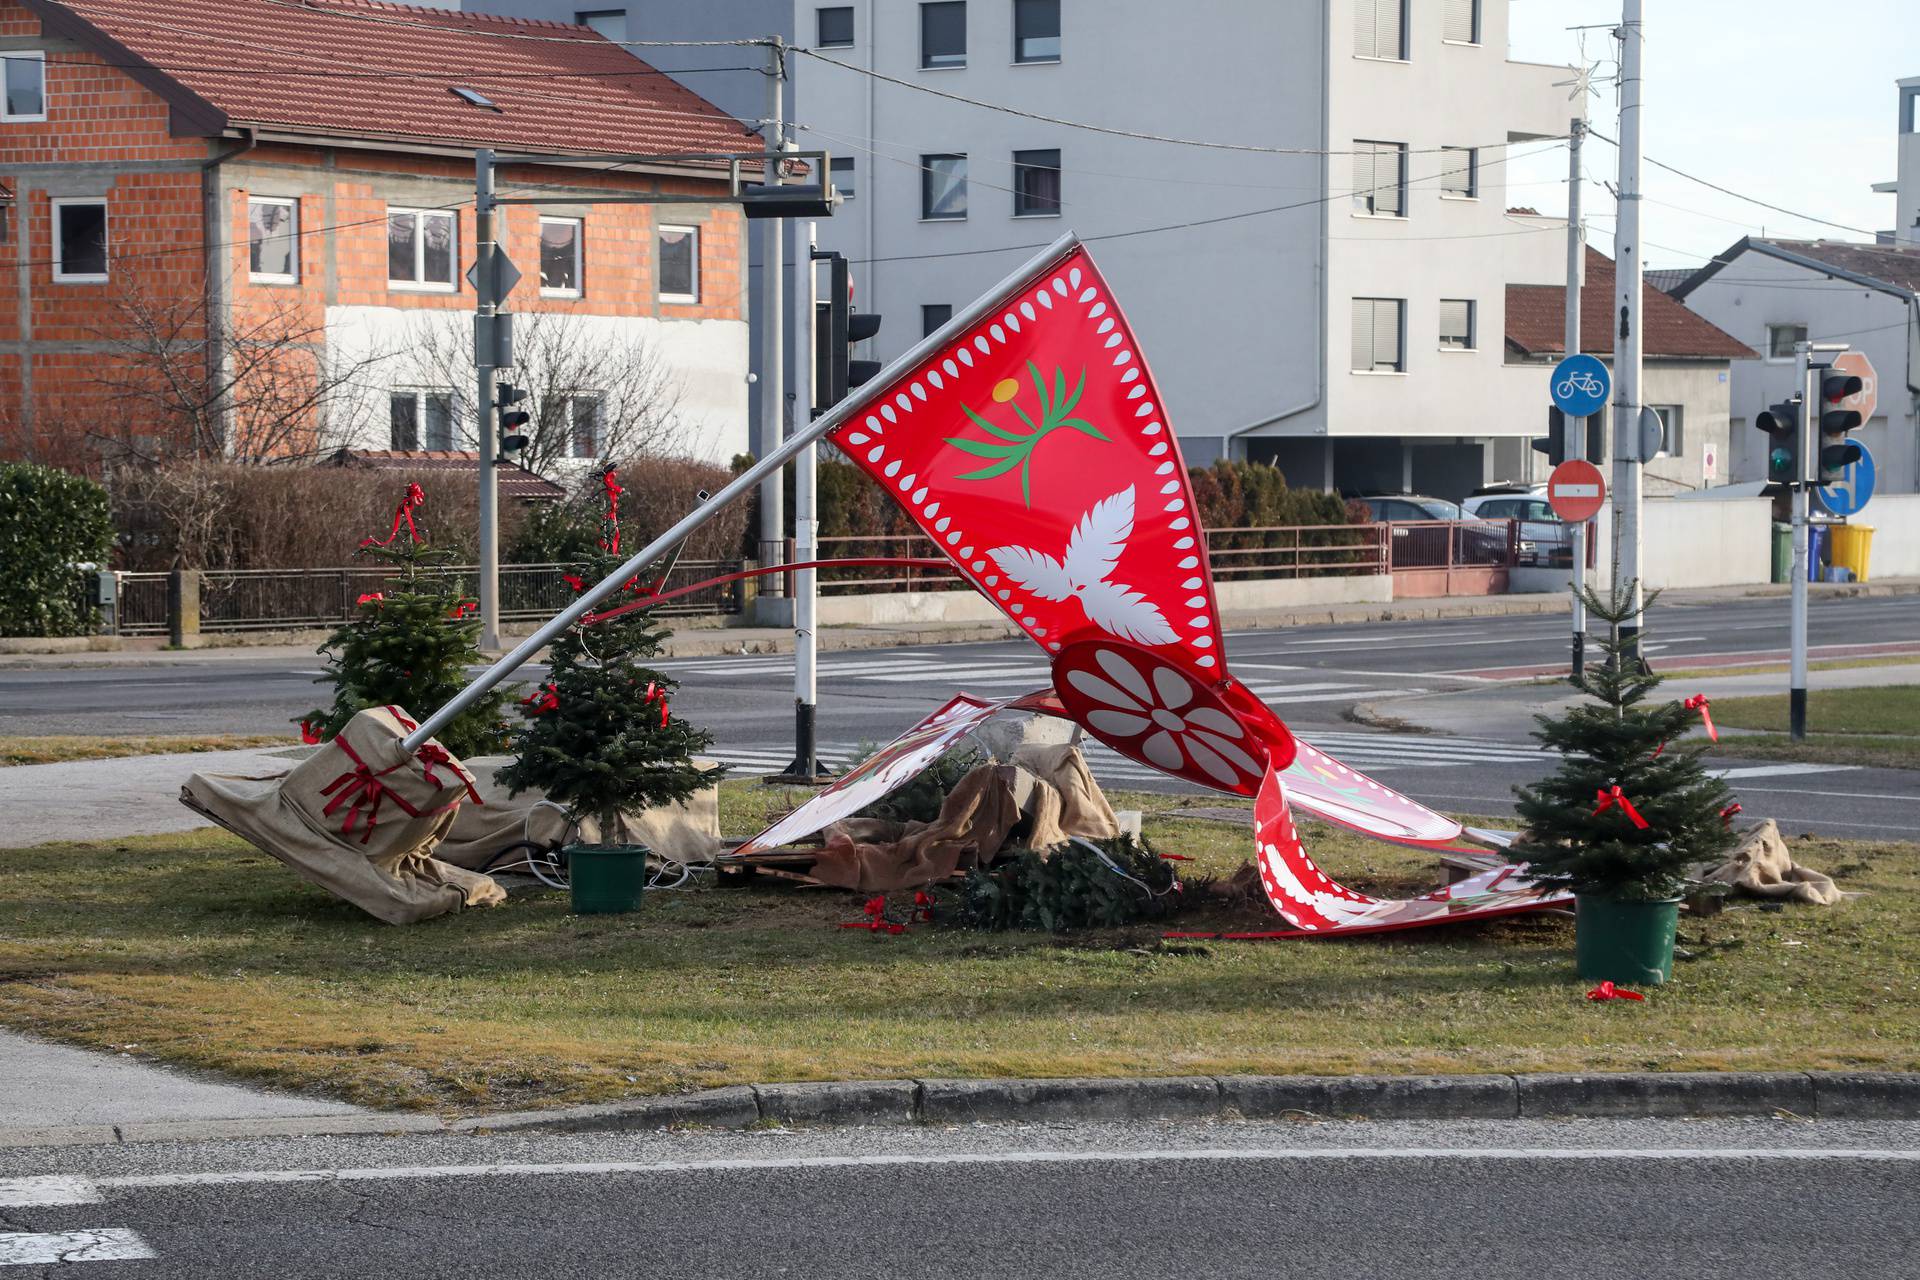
(773, 399)
(1627, 341)
(1575, 443)
(486, 348)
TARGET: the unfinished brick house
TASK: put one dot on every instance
(241, 228)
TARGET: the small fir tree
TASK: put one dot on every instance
(410, 644)
(600, 735)
(1618, 758)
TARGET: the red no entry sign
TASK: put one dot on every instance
(1576, 491)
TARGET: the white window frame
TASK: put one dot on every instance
(1668, 415)
(598, 399)
(420, 397)
(274, 277)
(579, 226)
(25, 55)
(1766, 345)
(1400, 315)
(1473, 173)
(852, 16)
(1479, 20)
(1379, 149)
(1473, 326)
(418, 284)
(684, 299)
(1406, 44)
(60, 205)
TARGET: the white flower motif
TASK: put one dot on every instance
(1155, 712)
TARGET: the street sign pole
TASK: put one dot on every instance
(485, 359)
(1575, 445)
(1809, 446)
(806, 766)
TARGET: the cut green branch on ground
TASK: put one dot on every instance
(206, 953)
(56, 748)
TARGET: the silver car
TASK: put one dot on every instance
(1544, 538)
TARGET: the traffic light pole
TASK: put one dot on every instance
(1627, 343)
(806, 766)
(773, 397)
(1808, 459)
(485, 349)
(1575, 429)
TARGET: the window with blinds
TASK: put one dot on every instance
(1456, 324)
(1460, 21)
(1377, 326)
(1380, 28)
(1380, 178)
(1460, 171)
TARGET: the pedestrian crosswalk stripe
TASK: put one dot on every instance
(53, 1189)
(47, 1248)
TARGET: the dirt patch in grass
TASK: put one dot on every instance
(61, 747)
(196, 949)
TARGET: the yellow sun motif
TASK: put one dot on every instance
(1005, 391)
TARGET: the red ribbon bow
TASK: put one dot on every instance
(361, 792)
(464, 608)
(542, 700)
(876, 921)
(923, 903)
(416, 497)
(653, 693)
(432, 754)
(308, 734)
(1698, 702)
(573, 581)
(1726, 814)
(372, 597)
(1608, 799)
(611, 544)
(1607, 991)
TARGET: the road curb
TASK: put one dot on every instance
(1810, 1095)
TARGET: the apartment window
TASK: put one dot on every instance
(1456, 324)
(273, 240)
(1378, 324)
(1380, 29)
(943, 187)
(833, 27)
(943, 34)
(420, 415)
(422, 249)
(1780, 340)
(1380, 178)
(1460, 172)
(584, 423)
(1036, 30)
(80, 241)
(679, 264)
(25, 87)
(562, 248)
(1460, 21)
(1036, 183)
(611, 23)
(933, 315)
(1673, 429)
(843, 176)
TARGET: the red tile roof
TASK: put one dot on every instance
(1536, 320)
(515, 481)
(356, 68)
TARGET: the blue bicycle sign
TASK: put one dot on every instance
(1850, 493)
(1580, 386)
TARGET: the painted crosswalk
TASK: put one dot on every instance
(56, 1248)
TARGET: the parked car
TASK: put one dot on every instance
(1543, 536)
(1481, 540)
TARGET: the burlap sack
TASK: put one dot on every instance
(360, 818)
(685, 832)
(973, 825)
(1763, 866)
(1084, 810)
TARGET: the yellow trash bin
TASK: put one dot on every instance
(1852, 547)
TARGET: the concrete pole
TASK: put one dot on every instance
(485, 346)
(806, 546)
(1574, 444)
(773, 397)
(1809, 465)
(1627, 342)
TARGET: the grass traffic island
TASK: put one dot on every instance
(1875, 726)
(59, 748)
(198, 950)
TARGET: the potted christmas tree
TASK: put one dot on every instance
(1629, 816)
(600, 737)
(409, 645)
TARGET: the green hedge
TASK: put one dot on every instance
(50, 521)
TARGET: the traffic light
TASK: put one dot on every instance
(786, 200)
(1554, 443)
(512, 442)
(1836, 451)
(1781, 422)
(836, 328)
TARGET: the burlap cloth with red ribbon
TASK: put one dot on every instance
(360, 817)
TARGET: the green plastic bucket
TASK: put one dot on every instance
(1625, 941)
(604, 880)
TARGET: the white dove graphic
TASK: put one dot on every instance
(1093, 550)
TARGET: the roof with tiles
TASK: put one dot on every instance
(1892, 268)
(355, 68)
(1536, 320)
(515, 481)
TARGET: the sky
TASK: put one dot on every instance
(1757, 95)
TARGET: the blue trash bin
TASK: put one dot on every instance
(1816, 550)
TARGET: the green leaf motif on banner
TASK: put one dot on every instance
(1014, 449)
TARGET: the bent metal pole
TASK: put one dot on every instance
(740, 484)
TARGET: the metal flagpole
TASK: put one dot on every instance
(1627, 343)
(1574, 444)
(486, 346)
(746, 480)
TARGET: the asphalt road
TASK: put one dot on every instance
(1310, 675)
(1492, 1200)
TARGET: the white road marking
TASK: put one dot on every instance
(1780, 770)
(55, 1189)
(46, 1248)
(412, 1173)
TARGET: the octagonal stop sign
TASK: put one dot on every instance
(1576, 491)
(1867, 398)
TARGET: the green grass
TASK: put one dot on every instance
(1875, 752)
(1878, 726)
(196, 949)
(53, 749)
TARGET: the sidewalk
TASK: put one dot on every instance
(109, 799)
(696, 641)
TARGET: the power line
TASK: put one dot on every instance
(329, 72)
(1729, 191)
